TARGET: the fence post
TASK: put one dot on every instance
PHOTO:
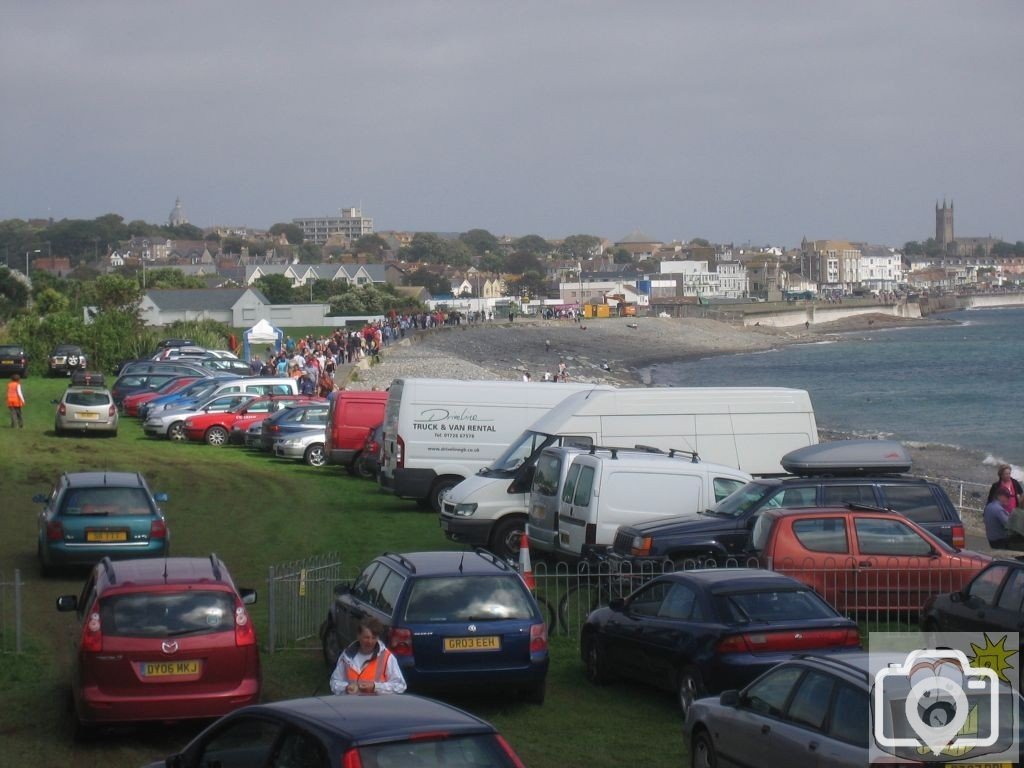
(271, 613)
(17, 610)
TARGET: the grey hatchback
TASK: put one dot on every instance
(86, 409)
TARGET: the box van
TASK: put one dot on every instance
(748, 428)
(602, 492)
(351, 416)
(439, 431)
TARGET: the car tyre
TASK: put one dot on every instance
(316, 455)
(703, 753)
(44, 569)
(595, 666)
(330, 644)
(353, 466)
(689, 687)
(364, 469)
(507, 536)
(176, 432)
(217, 436)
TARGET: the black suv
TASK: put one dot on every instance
(724, 532)
(453, 620)
(13, 360)
(66, 358)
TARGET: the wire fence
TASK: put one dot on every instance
(11, 613)
(299, 596)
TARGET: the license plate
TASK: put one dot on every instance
(977, 765)
(88, 415)
(189, 668)
(106, 535)
(7, 362)
(487, 643)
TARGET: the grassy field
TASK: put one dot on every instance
(255, 511)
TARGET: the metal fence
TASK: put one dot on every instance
(11, 613)
(299, 596)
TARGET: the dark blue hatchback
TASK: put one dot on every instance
(453, 619)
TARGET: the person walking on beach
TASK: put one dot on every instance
(15, 401)
(1012, 486)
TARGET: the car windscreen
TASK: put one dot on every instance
(10, 351)
(87, 398)
(521, 450)
(549, 470)
(468, 598)
(167, 614)
(772, 605)
(108, 502)
(66, 350)
(448, 751)
(737, 503)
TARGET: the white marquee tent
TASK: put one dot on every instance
(261, 335)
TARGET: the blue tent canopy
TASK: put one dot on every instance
(261, 335)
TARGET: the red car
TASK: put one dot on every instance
(132, 402)
(162, 639)
(862, 559)
(215, 428)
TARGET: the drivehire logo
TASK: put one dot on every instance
(954, 700)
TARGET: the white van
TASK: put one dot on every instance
(438, 432)
(749, 428)
(602, 491)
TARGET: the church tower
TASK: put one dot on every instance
(177, 217)
(944, 224)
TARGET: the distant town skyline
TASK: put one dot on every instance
(734, 122)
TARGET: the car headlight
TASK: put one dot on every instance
(640, 546)
(289, 443)
(465, 510)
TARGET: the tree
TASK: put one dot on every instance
(480, 241)
(213, 237)
(700, 241)
(435, 284)
(427, 247)
(13, 293)
(310, 253)
(534, 244)
(522, 262)
(277, 288)
(169, 277)
(622, 256)
(232, 244)
(51, 302)
(913, 248)
(292, 232)
(373, 245)
(579, 246)
(492, 262)
(113, 292)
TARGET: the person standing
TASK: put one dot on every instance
(15, 401)
(367, 666)
(1012, 486)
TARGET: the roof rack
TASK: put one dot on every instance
(694, 456)
(856, 506)
(406, 562)
(614, 450)
(491, 557)
(108, 569)
(215, 565)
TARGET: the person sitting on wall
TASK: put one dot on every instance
(998, 528)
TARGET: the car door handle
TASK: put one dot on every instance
(766, 729)
(813, 746)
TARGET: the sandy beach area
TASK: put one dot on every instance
(627, 351)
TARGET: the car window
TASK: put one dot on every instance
(914, 501)
(388, 596)
(244, 742)
(545, 478)
(798, 497)
(570, 483)
(839, 495)
(769, 694)
(825, 534)
(359, 589)
(10, 351)
(723, 486)
(584, 486)
(264, 406)
(1012, 594)
(107, 502)
(849, 720)
(773, 605)
(986, 584)
(810, 702)
(478, 751)
(681, 603)
(168, 614)
(462, 598)
(647, 600)
(87, 398)
(375, 583)
(889, 537)
(299, 750)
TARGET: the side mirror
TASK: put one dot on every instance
(617, 604)
(39, 498)
(343, 588)
(161, 497)
(248, 596)
(67, 603)
(730, 698)
(55, 402)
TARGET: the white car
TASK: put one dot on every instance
(171, 423)
(304, 446)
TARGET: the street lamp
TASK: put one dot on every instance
(27, 253)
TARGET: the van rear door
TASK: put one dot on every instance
(574, 510)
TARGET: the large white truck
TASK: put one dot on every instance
(437, 432)
(749, 428)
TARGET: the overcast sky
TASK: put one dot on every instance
(759, 121)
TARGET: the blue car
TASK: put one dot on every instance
(91, 515)
(707, 630)
(453, 620)
(193, 393)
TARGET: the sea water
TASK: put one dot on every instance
(959, 384)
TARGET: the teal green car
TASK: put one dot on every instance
(91, 515)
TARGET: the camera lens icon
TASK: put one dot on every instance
(937, 689)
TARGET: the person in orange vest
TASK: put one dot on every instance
(367, 666)
(15, 400)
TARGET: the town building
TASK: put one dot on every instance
(349, 225)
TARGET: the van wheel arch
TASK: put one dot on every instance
(437, 490)
(507, 535)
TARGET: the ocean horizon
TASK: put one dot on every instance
(949, 384)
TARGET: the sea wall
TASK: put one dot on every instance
(811, 313)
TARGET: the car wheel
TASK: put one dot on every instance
(217, 436)
(330, 644)
(364, 469)
(315, 455)
(535, 693)
(440, 487)
(353, 466)
(595, 667)
(176, 432)
(507, 536)
(689, 687)
(702, 752)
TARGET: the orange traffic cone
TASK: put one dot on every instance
(525, 568)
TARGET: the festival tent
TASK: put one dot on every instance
(261, 335)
